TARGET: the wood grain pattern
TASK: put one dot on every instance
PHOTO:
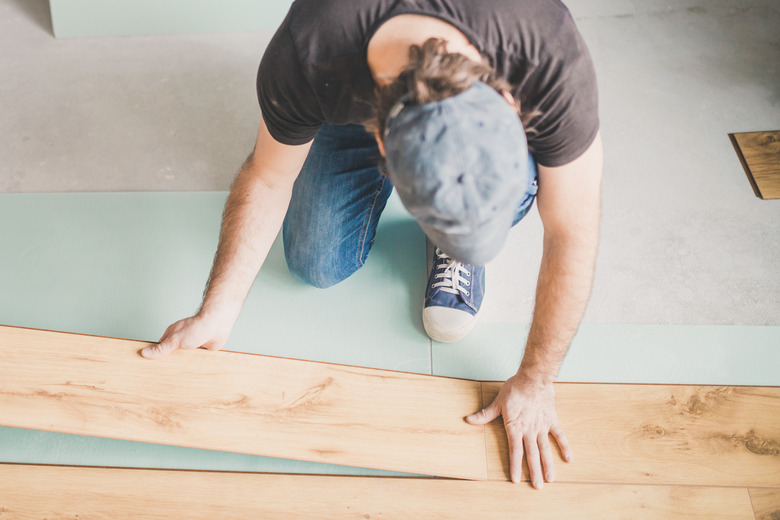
(643, 434)
(766, 503)
(241, 403)
(38, 492)
(705, 435)
(759, 153)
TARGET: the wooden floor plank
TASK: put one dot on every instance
(759, 153)
(664, 434)
(37, 492)
(766, 503)
(242, 403)
(643, 434)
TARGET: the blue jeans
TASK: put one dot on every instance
(336, 204)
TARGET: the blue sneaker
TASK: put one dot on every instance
(452, 298)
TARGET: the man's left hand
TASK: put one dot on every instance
(528, 409)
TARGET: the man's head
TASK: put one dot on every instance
(455, 150)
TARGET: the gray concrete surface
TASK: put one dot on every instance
(684, 240)
(163, 113)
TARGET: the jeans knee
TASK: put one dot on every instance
(318, 274)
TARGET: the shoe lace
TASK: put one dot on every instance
(451, 275)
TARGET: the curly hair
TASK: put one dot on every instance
(433, 74)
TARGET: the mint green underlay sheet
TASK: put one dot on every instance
(129, 264)
(647, 354)
(94, 18)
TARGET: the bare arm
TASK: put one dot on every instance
(569, 203)
(254, 212)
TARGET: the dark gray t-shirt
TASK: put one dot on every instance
(315, 70)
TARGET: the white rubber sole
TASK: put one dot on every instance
(448, 325)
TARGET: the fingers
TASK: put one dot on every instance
(545, 452)
(485, 415)
(189, 333)
(563, 442)
(169, 342)
(534, 463)
(539, 455)
(160, 350)
(529, 419)
(515, 456)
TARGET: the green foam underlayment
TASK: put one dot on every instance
(36, 447)
(91, 18)
(129, 264)
(646, 354)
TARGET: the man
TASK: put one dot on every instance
(438, 83)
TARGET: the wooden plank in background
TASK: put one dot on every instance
(759, 153)
(664, 434)
(766, 503)
(35, 492)
(241, 403)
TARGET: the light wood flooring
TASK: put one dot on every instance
(656, 450)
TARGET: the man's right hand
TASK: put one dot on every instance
(253, 215)
(189, 333)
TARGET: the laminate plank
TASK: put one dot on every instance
(241, 403)
(36, 492)
(660, 434)
(759, 153)
(378, 419)
(766, 503)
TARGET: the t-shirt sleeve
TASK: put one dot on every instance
(568, 105)
(288, 104)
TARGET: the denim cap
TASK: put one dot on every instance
(460, 166)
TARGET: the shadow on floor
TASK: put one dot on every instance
(36, 10)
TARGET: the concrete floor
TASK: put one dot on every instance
(684, 239)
